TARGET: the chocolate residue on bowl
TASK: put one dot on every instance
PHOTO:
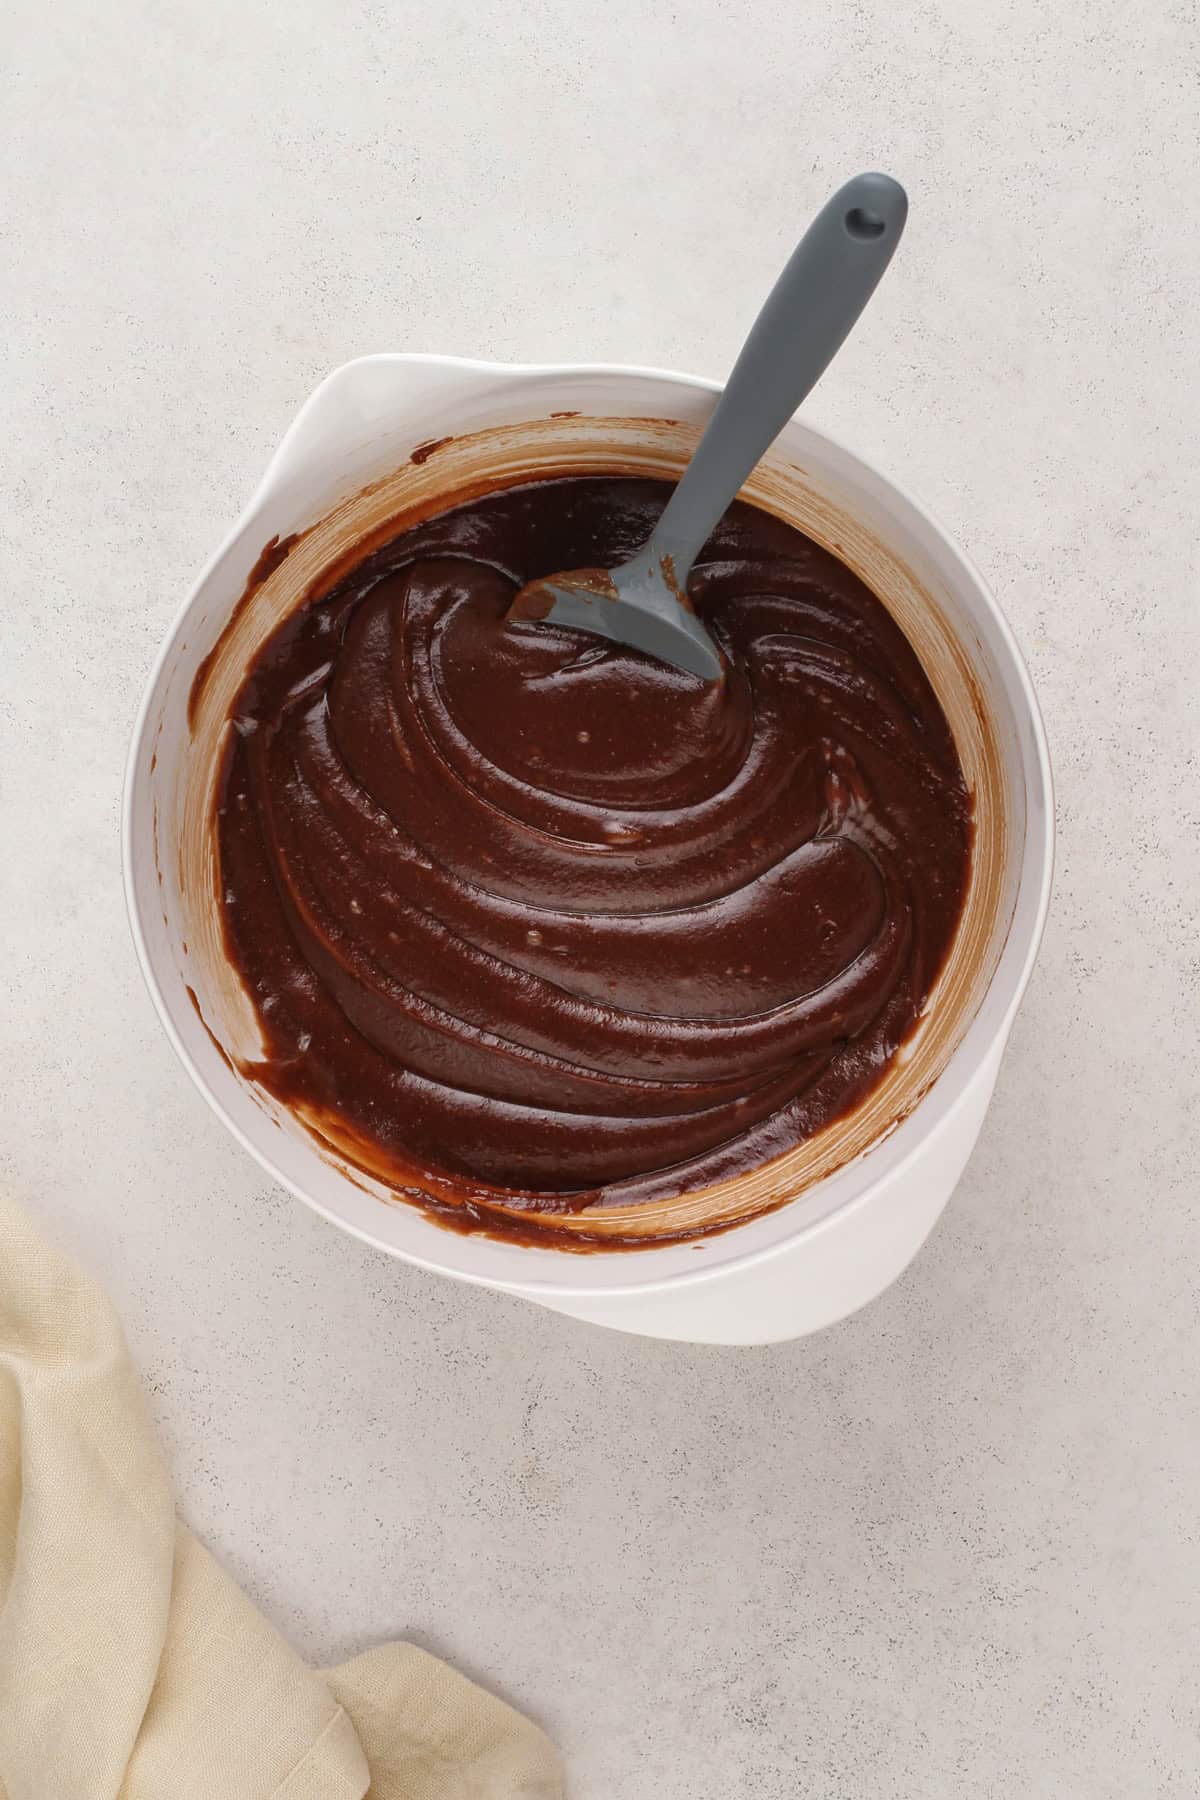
(269, 559)
(423, 452)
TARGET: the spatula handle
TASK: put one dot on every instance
(831, 275)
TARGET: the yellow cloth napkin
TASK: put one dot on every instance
(131, 1666)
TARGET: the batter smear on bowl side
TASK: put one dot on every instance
(543, 922)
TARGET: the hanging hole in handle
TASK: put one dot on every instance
(863, 224)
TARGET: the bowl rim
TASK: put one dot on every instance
(928, 1119)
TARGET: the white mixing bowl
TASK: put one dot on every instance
(866, 1193)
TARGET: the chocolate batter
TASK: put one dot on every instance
(530, 913)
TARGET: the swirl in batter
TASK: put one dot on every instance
(542, 918)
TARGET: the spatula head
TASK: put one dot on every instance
(638, 604)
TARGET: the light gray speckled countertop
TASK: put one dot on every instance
(948, 1550)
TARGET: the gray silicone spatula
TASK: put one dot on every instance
(831, 275)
